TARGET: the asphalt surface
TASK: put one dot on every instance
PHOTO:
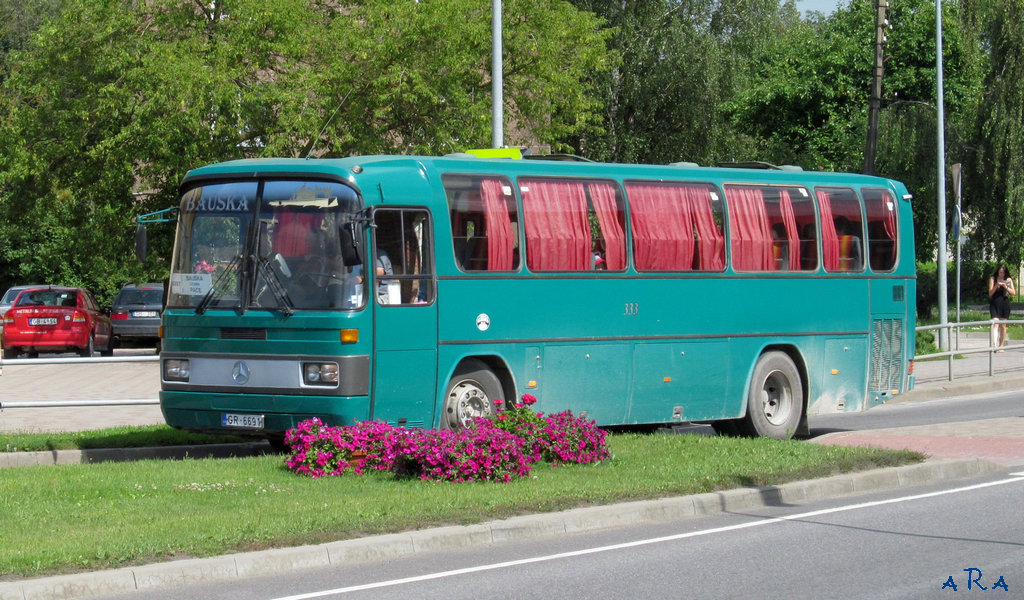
(956, 450)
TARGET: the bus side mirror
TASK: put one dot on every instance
(349, 246)
(140, 243)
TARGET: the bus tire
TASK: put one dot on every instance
(775, 399)
(471, 393)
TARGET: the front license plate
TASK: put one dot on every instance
(143, 313)
(43, 321)
(241, 421)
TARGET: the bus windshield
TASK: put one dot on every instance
(267, 245)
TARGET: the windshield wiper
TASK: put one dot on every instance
(210, 294)
(285, 304)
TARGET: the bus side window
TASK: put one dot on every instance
(677, 226)
(882, 229)
(485, 222)
(842, 229)
(403, 257)
(573, 224)
(771, 228)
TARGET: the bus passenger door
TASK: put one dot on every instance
(403, 296)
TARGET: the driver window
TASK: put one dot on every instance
(402, 257)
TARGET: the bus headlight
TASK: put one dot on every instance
(320, 373)
(176, 370)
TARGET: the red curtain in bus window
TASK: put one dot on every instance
(293, 232)
(606, 206)
(710, 241)
(497, 225)
(792, 231)
(662, 228)
(884, 210)
(748, 226)
(829, 237)
(557, 231)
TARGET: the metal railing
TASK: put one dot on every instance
(80, 360)
(954, 334)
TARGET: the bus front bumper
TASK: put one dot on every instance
(259, 415)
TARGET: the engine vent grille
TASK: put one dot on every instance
(243, 333)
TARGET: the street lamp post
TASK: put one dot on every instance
(941, 188)
(497, 95)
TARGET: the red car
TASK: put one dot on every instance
(56, 319)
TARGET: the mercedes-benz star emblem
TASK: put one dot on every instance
(240, 373)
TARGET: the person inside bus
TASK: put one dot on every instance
(1000, 288)
(386, 288)
(808, 248)
(850, 255)
(780, 247)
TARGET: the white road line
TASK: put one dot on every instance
(1015, 477)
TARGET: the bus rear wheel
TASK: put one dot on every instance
(471, 393)
(775, 399)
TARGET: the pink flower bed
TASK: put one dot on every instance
(499, 448)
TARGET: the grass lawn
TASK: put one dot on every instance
(59, 519)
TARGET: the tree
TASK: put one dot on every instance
(111, 101)
(680, 61)
(994, 170)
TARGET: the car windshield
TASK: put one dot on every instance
(272, 245)
(11, 295)
(47, 298)
(137, 296)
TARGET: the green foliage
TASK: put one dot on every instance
(974, 277)
(994, 169)
(112, 101)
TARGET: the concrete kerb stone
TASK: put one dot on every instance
(178, 573)
(73, 457)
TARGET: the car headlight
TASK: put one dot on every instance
(320, 373)
(176, 370)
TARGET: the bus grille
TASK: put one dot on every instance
(243, 333)
(886, 354)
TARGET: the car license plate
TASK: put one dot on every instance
(143, 313)
(43, 321)
(242, 421)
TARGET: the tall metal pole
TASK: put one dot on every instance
(958, 225)
(941, 188)
(497, 94)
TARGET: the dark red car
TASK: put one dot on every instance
(56, 319)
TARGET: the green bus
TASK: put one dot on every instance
(425, 291)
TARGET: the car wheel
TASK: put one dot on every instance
(89, 349)
(10, 353)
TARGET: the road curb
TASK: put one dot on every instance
(233, 566)
(75, 457)
(942, 390)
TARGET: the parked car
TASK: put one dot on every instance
(56, 319)
(8, 299)
(135, 314)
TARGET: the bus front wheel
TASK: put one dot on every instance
(775, 399)
(471, 393)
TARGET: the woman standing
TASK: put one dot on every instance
(1000, 288)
